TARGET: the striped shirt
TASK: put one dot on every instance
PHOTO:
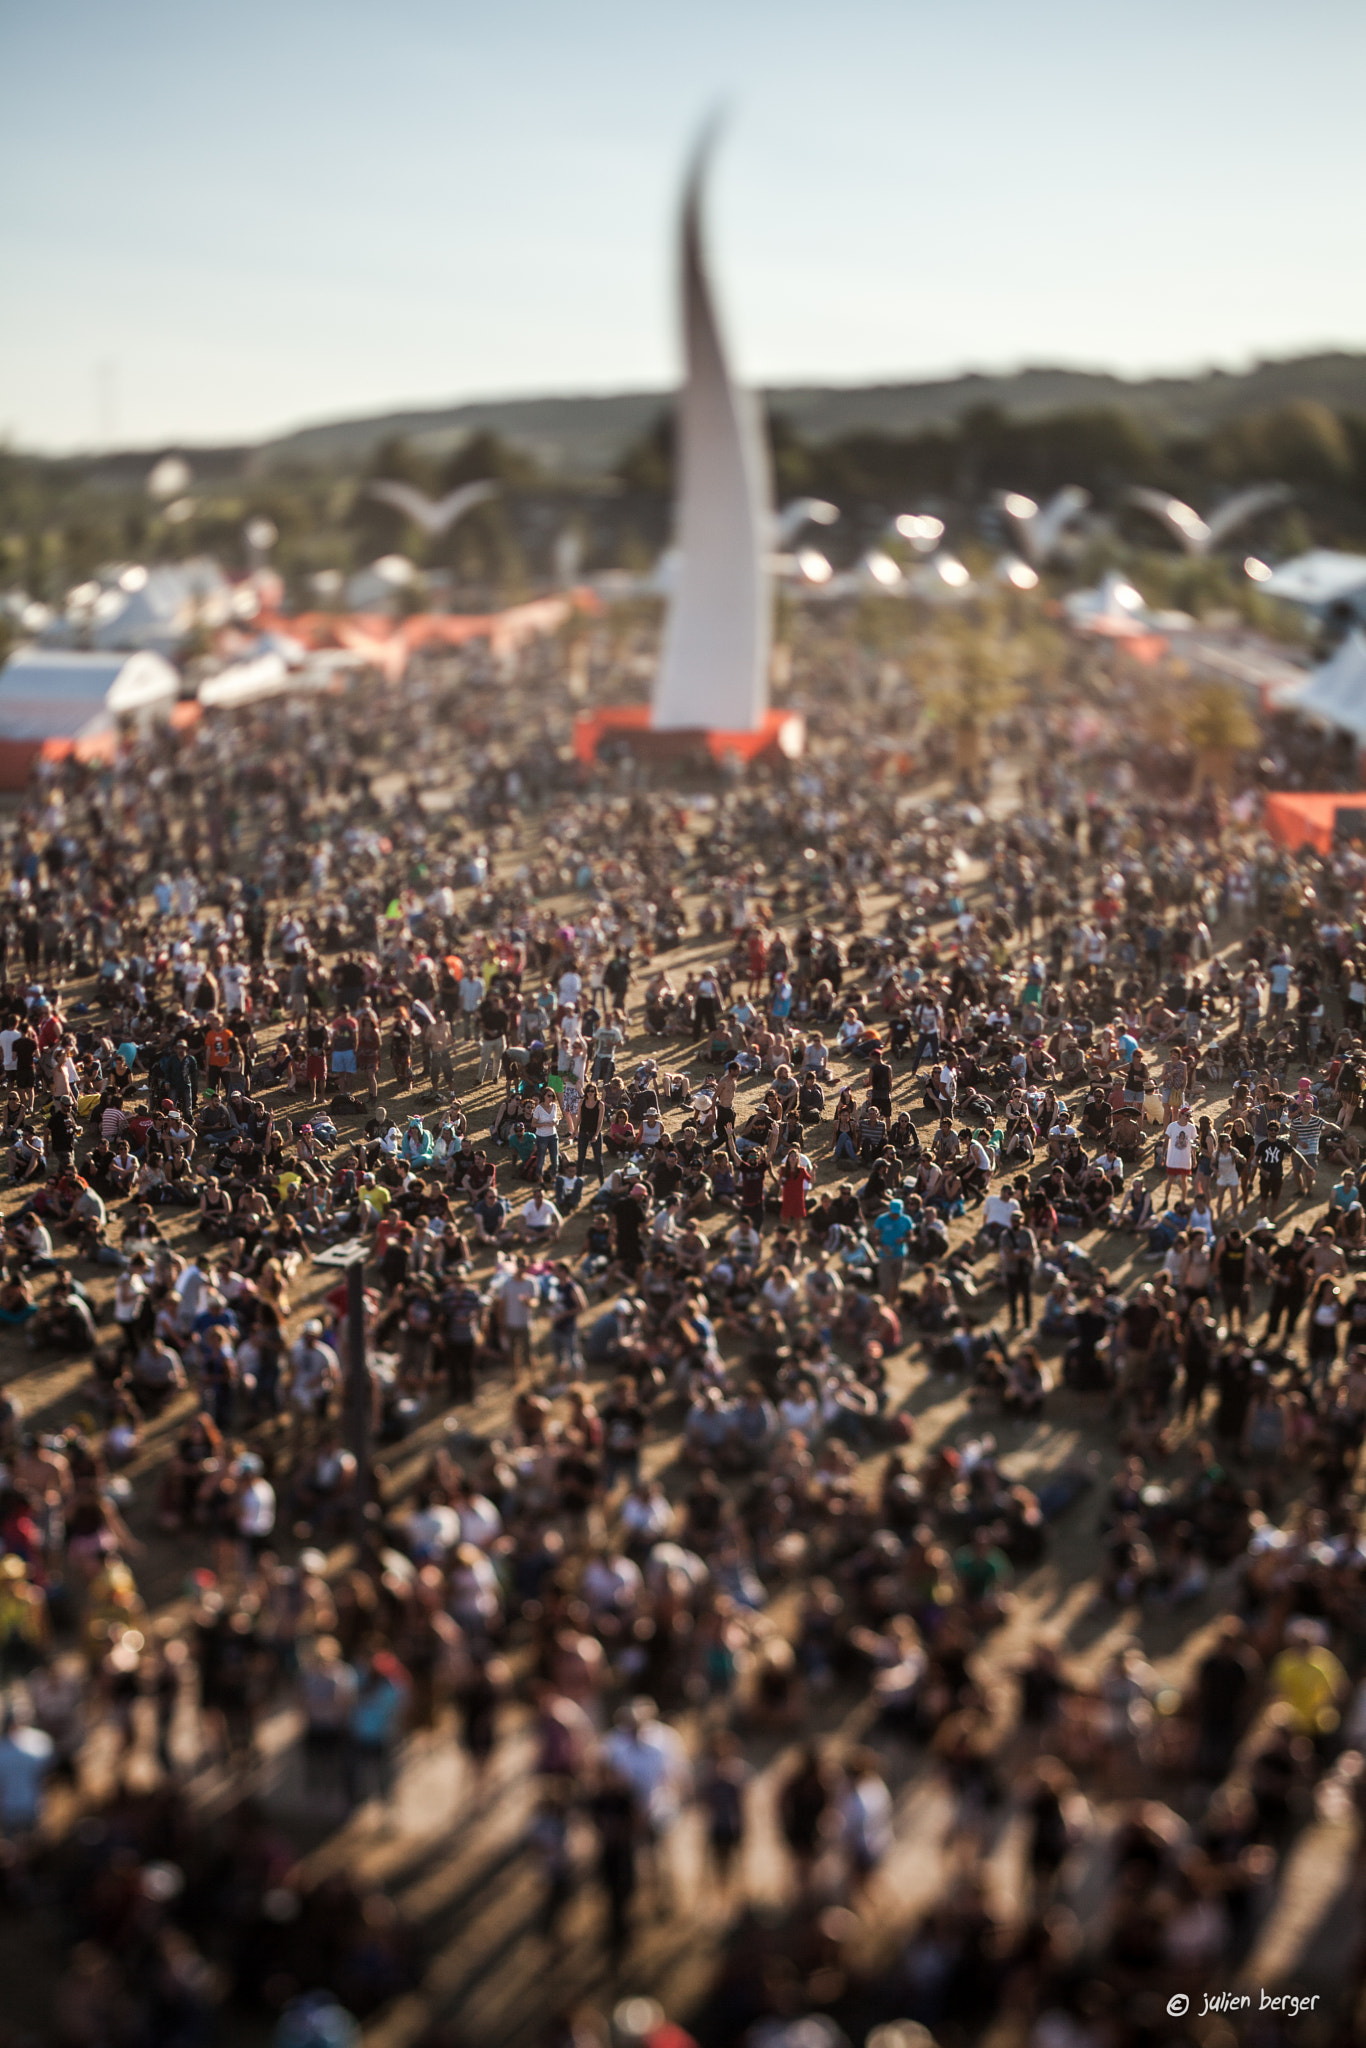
(1305, 1130)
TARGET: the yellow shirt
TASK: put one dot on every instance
(1311, 1682)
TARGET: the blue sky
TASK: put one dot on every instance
(223, 221)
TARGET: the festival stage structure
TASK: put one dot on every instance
(711, 691)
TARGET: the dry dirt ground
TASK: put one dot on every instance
(450, 1852)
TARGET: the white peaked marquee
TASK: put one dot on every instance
(713, 672)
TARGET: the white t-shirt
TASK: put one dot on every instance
(480, 1521)
(655, 1764)
(256, 1508)
(1180, 1146)
(433, 1530)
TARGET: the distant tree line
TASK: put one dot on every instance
(60, 519)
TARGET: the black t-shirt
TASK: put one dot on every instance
(1233, 1266)
(1091, 1326)
(623, 1425)
(752, 1176)
(1287, 1262)
(1223, 1682)
(630, 1219)
(1271, 1158)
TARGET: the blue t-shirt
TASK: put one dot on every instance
(893, 1230)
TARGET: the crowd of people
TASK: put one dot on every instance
(756, 1196)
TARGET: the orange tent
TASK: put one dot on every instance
(389, 643)
(1295, 819)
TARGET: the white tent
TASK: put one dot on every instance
(163, 609)
(1114, 609)
(1336, 693)
(133, 607)
(269, 675)
(53, 699)
(1321, 578)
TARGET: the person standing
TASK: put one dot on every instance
(27, 1754)
(464, 1308)
(752, 1170)
(493, 1026)
(651, 1757)
(589, 1132)
(517, 1297)
(1271, 1156)
(1325, 1313)
(893, 1230)
(437, 1051)
(865, 1816)
(795, 1182)
(880, 1083)
(315, 1375)
(929, 1023)
(343, 1041)
(376, 1720)
(178, 1072)
(369, 1048)
(329, 1687)
(1230, 1276)
(613, 1808)
(804, 1802)
(721, 1793)
(545, 1123)
(1180, 1151)
(1305, 1136)
(549, 1839)
(1290, 1274)
(1019, 1253)
(707, 1001)
(316, 1039)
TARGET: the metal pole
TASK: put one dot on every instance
(358, 1393)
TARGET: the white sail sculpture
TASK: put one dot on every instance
(713, 671)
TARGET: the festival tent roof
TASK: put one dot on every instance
(55, 694)
(1336, 692)
(56, 702)
(265, 675)
(1114, 610)
(390, 645)
(1297, 818)
(1322, 577)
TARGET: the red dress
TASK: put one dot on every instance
(794, 1186)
